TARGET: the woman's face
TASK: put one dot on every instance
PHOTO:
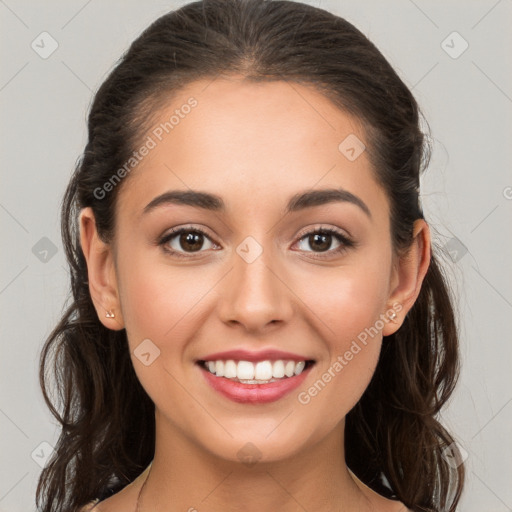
(255, 281)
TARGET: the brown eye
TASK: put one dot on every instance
(320, 241)
(192, 241)
(185, 240)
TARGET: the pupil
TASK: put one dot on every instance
(325, 245)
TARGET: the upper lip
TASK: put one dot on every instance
(262, 355)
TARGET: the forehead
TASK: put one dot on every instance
(254, 143)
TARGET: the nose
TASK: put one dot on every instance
(255, 294)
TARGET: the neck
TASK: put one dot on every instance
(183, 476)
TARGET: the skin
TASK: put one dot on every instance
(255, 145)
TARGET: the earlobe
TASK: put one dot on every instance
(409, 275)
(101, 272)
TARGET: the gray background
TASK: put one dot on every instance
(466, 194)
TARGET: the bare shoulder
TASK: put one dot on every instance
(395, 506)
(92, 506)
(122, 501)
(403, 508)
(378, 501)
(387, 505)
(383, 504)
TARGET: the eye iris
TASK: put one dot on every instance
(193, 239)
(324, 239)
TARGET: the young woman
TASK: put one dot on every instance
(258, 322)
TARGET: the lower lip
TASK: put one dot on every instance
(254, 393)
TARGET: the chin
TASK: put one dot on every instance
(253, 445)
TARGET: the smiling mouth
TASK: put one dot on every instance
(261, 372)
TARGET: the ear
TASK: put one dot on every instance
(101, 272)
(408, 275)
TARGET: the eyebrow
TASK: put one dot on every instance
(296, 203)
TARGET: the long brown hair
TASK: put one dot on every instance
(394, 441)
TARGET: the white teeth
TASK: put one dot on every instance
(219, 368)
(289, 369)
(255, 373)
(299, 367)
(245, 370)
(263, 370)
(278, 370)
(230, 369)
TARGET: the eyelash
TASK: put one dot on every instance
(345, 242)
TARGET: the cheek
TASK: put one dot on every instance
(347, 305)
(159, 302)
(345, 300)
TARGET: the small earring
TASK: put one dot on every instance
(110, 314)
(392, 315)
